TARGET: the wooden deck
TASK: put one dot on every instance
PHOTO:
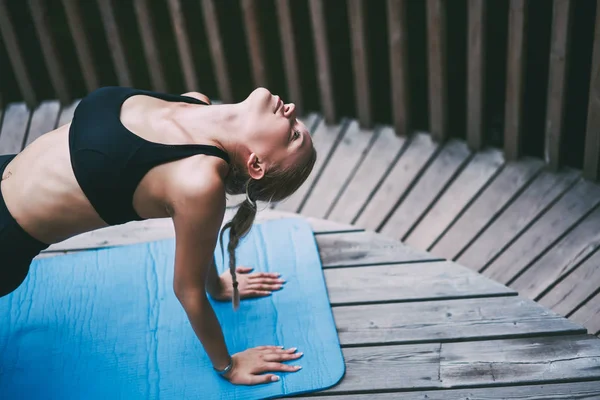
(413, 326)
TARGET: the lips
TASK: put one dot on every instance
(278, 104)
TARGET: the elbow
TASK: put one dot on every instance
(189, 296)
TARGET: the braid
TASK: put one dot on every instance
(239, 226)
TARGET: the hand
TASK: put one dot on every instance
(249, 365)
(258, 284)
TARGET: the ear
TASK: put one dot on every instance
(255, 167)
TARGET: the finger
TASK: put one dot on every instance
(282, 357)
(267, 347)
(257, 293)
(243, 270)
(279, 350)
(258, 379)
(253, 279)
(256, 286)
(266, 275)
(274, 366)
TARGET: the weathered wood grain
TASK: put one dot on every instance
(66, 114)
(43, 120)
(437, 68)
(591, 161)
(562, 258)
(365, 248)
(589, 315)
(115, 43)
(415, 282)
(254, 39)
(434, 181)
(447, 320)
(323, 65)
(217, 51)
(515, 76)
(325, 140)
(575, 289)
(557, 82)
(497, 195)
(398, 182)
(377, 163)
(334, 176)
(15, 56)
(534, 201)
(82, 43)
(14, 128)
(560, 391)
(479, 171)
(476, 53)
(183, 45)
(399, 73)
(289, 51)
(145, 21)
(545, 232)
(357, 20)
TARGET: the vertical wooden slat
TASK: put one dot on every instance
(115, 43)
(360, 60)
(515, 74)
(51, 57)
(591, 162)
(150, 45)
(319, 27)
(15, 56)
(557, 85)
(436, 43)
(82, 43)
(476, 74)
(216, 49)
(183, 45)
(398, 46)
(290, 59)
(254, 39)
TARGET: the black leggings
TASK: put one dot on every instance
(17, 247)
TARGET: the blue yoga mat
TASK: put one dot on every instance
(105, 324)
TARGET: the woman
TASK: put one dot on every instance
(130, 155)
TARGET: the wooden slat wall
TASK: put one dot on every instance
(317, 67)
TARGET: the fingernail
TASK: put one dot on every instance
(294, 349)
(300, 354)
(298, 367)
(281, 347)
(275, 378)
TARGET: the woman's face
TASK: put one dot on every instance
(276, 136)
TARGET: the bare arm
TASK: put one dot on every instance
(199, 96)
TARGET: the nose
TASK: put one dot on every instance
(289, 110)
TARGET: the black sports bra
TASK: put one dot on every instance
(109, 160)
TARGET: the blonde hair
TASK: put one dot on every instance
(276, 185)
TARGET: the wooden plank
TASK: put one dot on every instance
(534, 201)
(576, 288)
(575, 390)
(15, 56)
(397, 184)
(542, 235)
(438, 78)
(481, 169)
(399, 73)
(349, 152)
(476, 73)
(357, 20)
(562, 258)
(217, 52)
(115, 43)
(14, 128)
(289, 51)
(325, 140)
(323, 65)
(150, 45)
(254, 39)
(183, 45)
(491, 202)
(591, 161)
(43, 120)
(557, 82)
(417, 282)
(515, 75)
(366, 248)
(377, 163)
(434, 181)
(82, 43)
(66, 114)
(459, 365)
(448, 321)
(589, 315)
